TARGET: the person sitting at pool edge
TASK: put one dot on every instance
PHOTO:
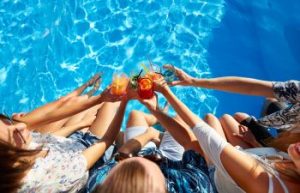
(39, 163)
(288, 91)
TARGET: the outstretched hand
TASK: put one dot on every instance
(184, 78)
(95, 80)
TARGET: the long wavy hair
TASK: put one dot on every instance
(282, 142)
(14, 165)
(284, 139)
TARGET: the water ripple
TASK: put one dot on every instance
(47, 48)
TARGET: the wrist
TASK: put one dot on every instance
(193, 81)
(124, 101)
(166, 91)
(86, 85)
(100, 99)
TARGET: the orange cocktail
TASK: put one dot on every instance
(119, 84)
(145, 88)
(153, 75)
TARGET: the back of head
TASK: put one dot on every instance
(134, 175)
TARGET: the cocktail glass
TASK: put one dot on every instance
(145, 88)
(119, 84)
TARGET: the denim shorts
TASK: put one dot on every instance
(88, 139)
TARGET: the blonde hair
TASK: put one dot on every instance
(288, 169)
(130, 176)
(282, 142)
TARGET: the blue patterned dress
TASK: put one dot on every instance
(289, 92)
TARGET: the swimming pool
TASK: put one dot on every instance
(259, 39)
(47, 48)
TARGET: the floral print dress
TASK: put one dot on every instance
(63, 169)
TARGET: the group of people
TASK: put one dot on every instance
(75, 144)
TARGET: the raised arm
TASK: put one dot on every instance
(243, 169)
(182, 110)
(61, 108)
(93, 153)
(184, 136)
(241, 85)
(94, 81)
(58, 110)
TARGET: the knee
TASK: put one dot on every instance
(135, 113)
(240, 116)
(225, 118)
(210, 118)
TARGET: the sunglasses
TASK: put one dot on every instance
(11, 121)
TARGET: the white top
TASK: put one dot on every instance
(213, 144)
(170, 148)
(62, 170)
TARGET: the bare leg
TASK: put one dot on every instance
(214, 122)
(138, 118)
(239, 117)
(230, 126)
(55, 126)
(52, 127)
(92, 112)
(83, 115)
(104, 117)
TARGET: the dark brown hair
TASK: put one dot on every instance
(14, 164)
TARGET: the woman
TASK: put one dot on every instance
(283, 91)
(134, 175)
(237, 171)
(32, 162)
(239, 135)
(288, 92)
(181, 165)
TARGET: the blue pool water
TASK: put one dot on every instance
(259, 39)
(47, 48)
